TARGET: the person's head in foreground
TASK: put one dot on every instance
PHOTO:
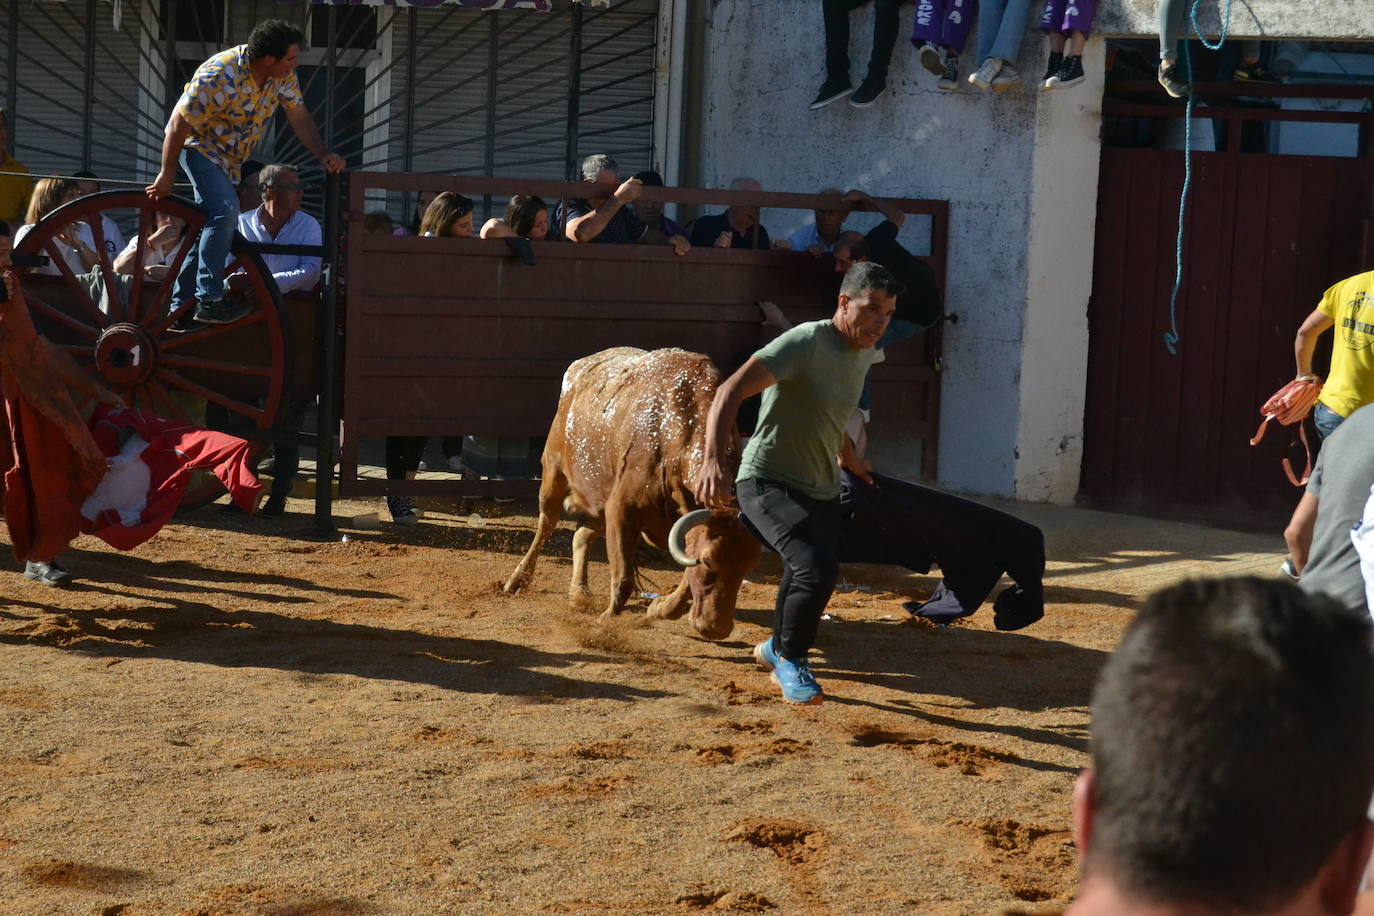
(1232, 757)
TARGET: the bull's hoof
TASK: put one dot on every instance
(665, 607)
(515, 584)
(581, 600)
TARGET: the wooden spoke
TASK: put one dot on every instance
(62, 317)
(107, 274)
(83, 294)
(146, 222)
(206, 333)
(156, 392)
(178, 380)
(214, 365)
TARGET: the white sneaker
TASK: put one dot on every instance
(1007, 78)
(985, 74)
(933, 58)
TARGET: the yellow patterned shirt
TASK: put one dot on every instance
(228, 111)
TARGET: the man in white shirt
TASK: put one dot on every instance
(820, 236)
(281, 220)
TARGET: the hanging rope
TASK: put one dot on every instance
(1171, 336)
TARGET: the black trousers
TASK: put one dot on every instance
(803, 531)
(885, 25)
(403, 454)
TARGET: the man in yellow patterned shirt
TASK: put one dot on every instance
(1349, 306)
(14, 188)
(218, 121)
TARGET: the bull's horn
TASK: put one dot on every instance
(677, 538)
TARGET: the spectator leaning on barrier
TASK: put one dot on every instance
(14, 189)
(661, 230)
(75, 241)
(820, 236)
(114, 239)
(1232, 758)
(527, 217)
(280, 219)
(158, 249)
(737, 227)
(219, 119)
(603, 219)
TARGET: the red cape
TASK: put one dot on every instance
(49, 462)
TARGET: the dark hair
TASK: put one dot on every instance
(1232, 743)
(649, 178)
(272, 38)
(249, 169)
(855, 244)
(443, 212)
(522, 211)
(375, 220)
(5, 228)
(866, 276)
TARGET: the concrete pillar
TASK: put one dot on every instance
(1059, 261)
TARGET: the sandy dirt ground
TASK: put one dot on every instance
(234, 720)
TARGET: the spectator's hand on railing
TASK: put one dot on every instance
(629, 190)
(773, 316)
(782, 245)
(680, 244)
(332, 162)
(725, 239)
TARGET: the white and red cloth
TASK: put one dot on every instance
(151, 462)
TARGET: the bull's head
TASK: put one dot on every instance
(718, 552)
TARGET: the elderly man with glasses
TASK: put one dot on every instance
(281, 220)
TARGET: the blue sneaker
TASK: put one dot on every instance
(794, 677)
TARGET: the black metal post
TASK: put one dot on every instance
(408, 133)
(574, 93)
(88, 100)
(328, 334)
(493, 58)
(170, 87)
(331, 53)
(12, 70)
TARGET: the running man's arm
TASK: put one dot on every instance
(173, 139)
(1306, 341)
(714, 487)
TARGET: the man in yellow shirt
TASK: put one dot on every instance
(218, 121)
(1349, 307)
(14, 189)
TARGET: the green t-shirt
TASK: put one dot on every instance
(801, 423)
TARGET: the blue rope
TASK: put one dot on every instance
(1171, 336)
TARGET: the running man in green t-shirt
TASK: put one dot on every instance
(788, 484)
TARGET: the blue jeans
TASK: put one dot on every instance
(897, 329)
(1326, 419)
(1001, 26)
(202, 273)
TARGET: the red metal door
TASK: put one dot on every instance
(1166, 434)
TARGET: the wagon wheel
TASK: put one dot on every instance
(239, 371)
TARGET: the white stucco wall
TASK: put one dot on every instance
(977, 151)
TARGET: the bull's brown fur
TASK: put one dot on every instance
(623, 451)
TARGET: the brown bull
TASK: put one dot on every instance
(622, 453)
